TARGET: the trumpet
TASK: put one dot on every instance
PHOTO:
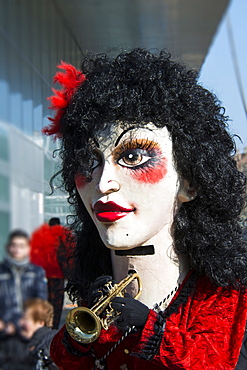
(84, 325)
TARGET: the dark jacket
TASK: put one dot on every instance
(17, 353)
(17, 284)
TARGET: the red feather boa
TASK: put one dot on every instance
(44, 246)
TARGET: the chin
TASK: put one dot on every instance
(118, 245)
(120, 242)
(122, 247)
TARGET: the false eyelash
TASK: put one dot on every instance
(135, 144)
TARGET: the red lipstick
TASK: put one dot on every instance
(110, 211)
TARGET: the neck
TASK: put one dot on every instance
(17, 263)
(159, 273)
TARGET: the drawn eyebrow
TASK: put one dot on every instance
(123, 133)
(129, 129)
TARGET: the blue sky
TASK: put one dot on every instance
(218, 72)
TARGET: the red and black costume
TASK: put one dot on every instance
(202, 328)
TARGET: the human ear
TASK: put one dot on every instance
(186, 191)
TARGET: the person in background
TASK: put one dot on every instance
(19, 281)
(28, 348)
(50, 249)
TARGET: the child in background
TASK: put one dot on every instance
(26, 349)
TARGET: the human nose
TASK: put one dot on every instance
(21, 322)
(107, 183)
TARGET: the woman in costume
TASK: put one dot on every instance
(148, 164)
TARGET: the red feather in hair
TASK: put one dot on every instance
(70, 79)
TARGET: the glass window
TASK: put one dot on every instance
(4, 230)
(4, 188)
(4, 145)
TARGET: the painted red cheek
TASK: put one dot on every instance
(151, 175)
(80, 180)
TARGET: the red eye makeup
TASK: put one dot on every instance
(80, 180)
(151, 174)
(143, 158)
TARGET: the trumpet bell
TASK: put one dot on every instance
(83, 325)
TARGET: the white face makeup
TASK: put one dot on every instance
(134, 186)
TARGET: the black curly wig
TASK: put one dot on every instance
(140, 87)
